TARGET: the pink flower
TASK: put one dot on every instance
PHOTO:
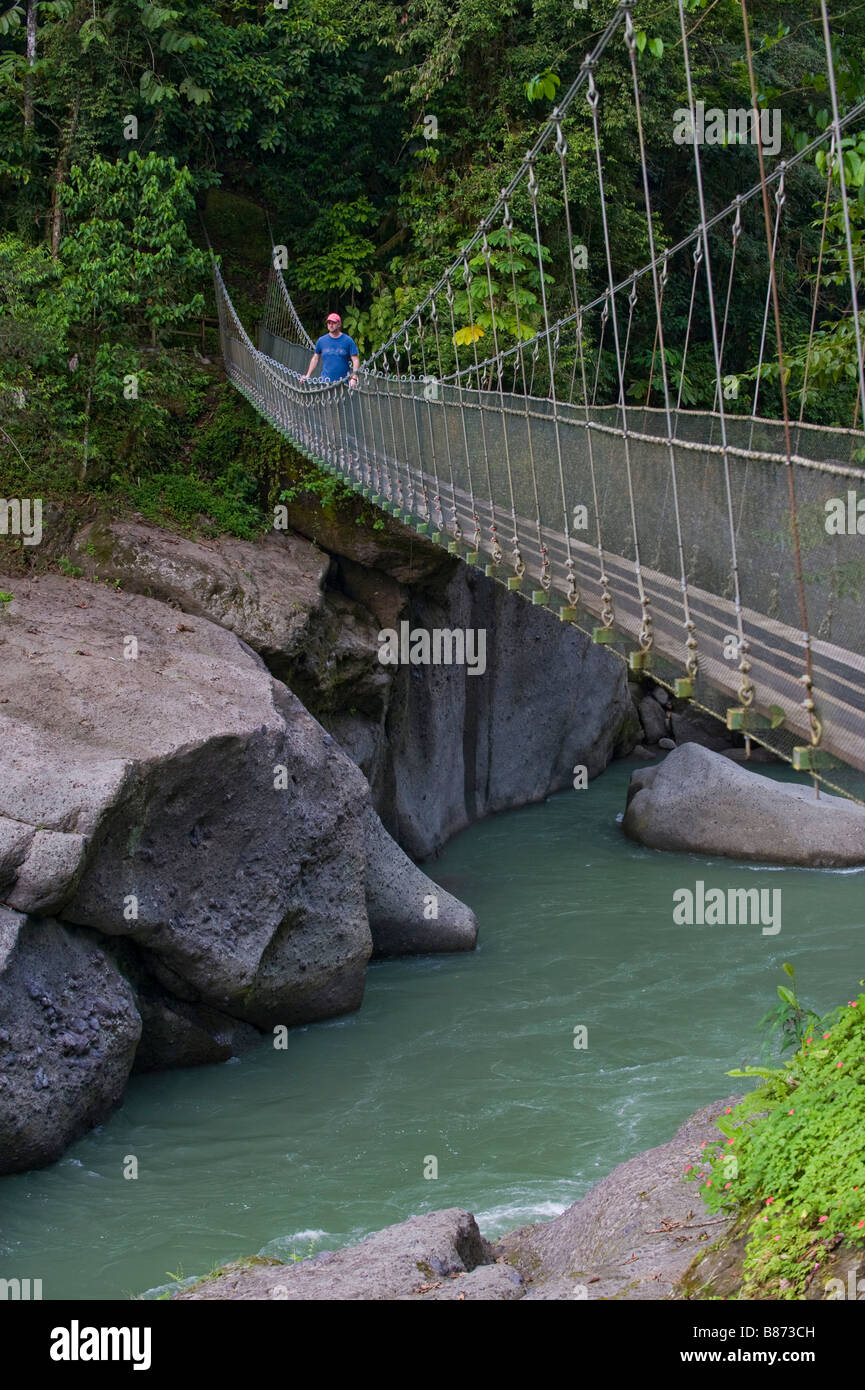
(789, 1112)
(731, 1141)
(726, 1185)
(777, 1237)
(860, 1223)
(809, 1040)
(852, 1003)
(708, 1182)
(688, 1167)
(769, 1201)
(825, 1035)
(729, 1110)
(839, 1064)
(822, 1219)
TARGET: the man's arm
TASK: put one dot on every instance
(313, 364)
(355, 364)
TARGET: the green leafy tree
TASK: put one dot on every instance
(129, 263)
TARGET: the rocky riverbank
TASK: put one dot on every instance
(641, 1233)
(635, 1235)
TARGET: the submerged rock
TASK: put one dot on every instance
(701, 802)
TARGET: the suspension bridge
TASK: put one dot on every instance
(719, 549)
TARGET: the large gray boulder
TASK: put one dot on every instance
(441, 1255)
(266, 591)
(206, 816)
(202, 813)
(271, 593)
(69, 1030)
(700, 802)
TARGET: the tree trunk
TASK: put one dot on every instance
(60, 172)
(31, 59)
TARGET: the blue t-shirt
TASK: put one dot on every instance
(336, 355)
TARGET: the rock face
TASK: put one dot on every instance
(438, 1256)
(699, 802)
(460, 747)
(632, 1236)
(408, 913)
(167, 792)
(69, 1028)
(439, 747)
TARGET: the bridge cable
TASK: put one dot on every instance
(497, 556)
(746, 686)
(691, 645)
(467, 278)
(645, 636)
(508, 224)
(439, 524)
(607, 610)
(449, 297)
(807, 680)
(829, 162)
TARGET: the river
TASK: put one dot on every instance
(465, 1059)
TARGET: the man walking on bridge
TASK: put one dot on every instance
(334, 350)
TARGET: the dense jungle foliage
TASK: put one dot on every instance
(370, 139)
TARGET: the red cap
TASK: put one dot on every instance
(334, 318)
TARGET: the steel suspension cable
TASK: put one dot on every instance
(645, 638)
(746, 686)
(691, 646)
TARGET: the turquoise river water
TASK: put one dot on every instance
(469, 1059)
